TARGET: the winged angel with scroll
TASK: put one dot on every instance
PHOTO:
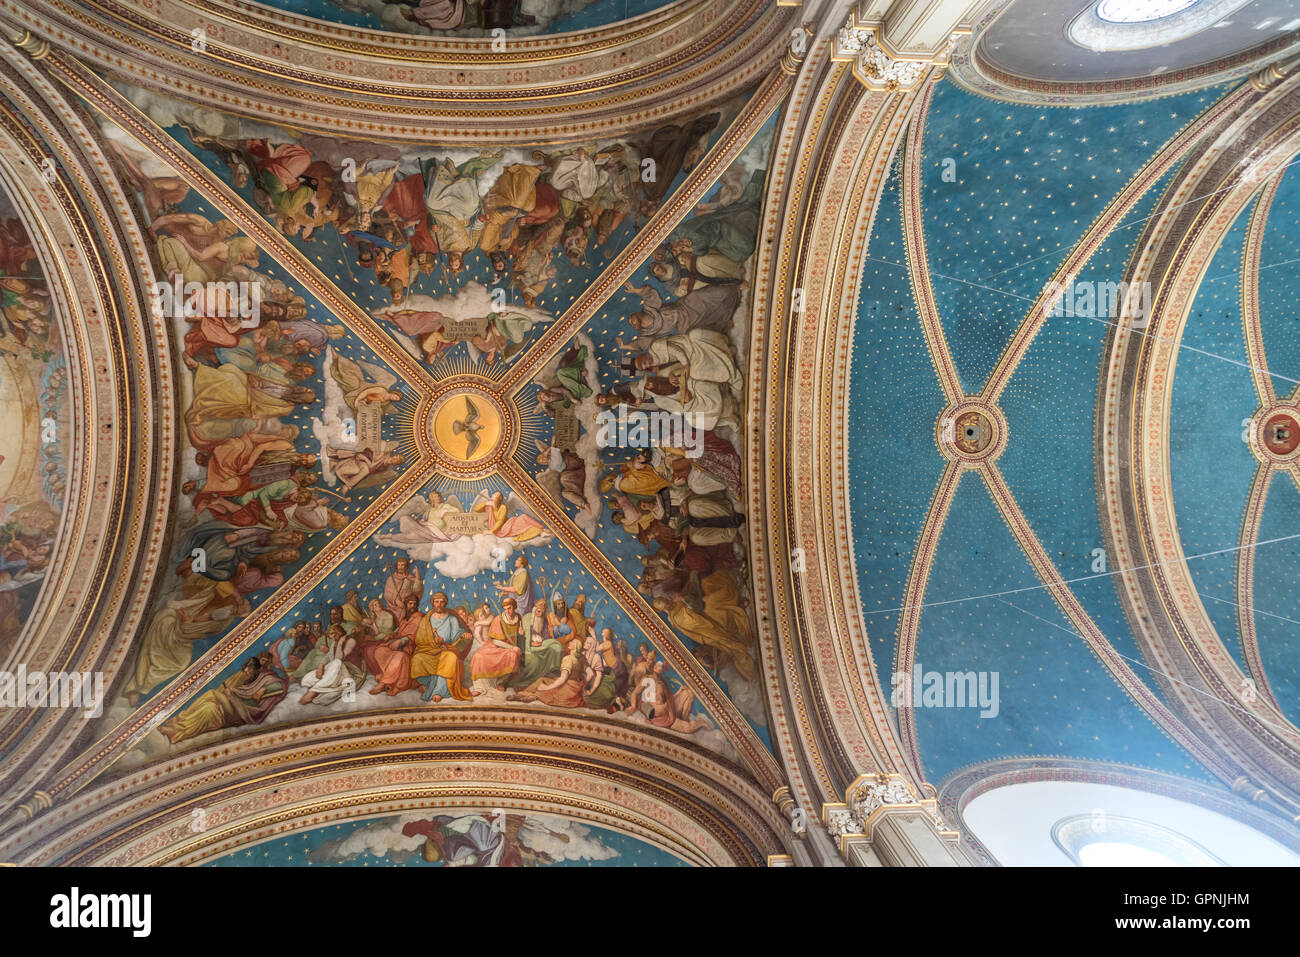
(351, 450)
(459, 542)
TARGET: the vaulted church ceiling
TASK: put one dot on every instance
(940, 551)
(617, 432)
(298, 426)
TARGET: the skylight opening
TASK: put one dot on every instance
(1141, 11)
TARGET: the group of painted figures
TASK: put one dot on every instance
(257, 500)
(257, 497)
(406, 216)
(526, 650)
(682, 505)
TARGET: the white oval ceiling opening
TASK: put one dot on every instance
(1140, 11)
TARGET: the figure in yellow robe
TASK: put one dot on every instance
(434, 663)
(511, 196)
(246, 697)
(199, 609)
(724, 625)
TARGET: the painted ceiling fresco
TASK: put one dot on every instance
(35, 406)
(1006, 192)
(298, 422)
(470, 18)
(478, 457)
(455, 838)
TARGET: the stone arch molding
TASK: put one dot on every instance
(645, 784)
(829, 716)
(278, 67)
(122, 450)
(1256, 749)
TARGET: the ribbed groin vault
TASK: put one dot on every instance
(640, 432)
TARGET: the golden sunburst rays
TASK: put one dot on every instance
(447, 485)
(448, 366)
(405, 427)
(535, 426)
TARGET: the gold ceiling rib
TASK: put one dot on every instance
(918, 578)
(917, 259)
(227, 650)
(733, 724)
(104, 552)
(704, 55)
(1253, 516)
(760, 106)
(1164, 609)
(115, 107)
(1115, 213)
(1245, 584)
(643, 781)
(1256, 357)
(1083, 625)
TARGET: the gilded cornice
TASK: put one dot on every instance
(647, 783)
(873, 797)
(120, 469)
(307, 75)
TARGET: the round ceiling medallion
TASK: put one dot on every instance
(1274, 434)
(971, 432)
(1114, 25)
(468, 428)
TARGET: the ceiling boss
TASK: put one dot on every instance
(468, 426)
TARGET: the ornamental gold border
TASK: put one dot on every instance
(705, 55)
(833, 151)
(114, 359)
(1249, 739)
(324, 759)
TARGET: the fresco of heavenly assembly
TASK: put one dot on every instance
(295, 425)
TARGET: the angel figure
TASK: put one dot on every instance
(518, 528)
(424, 523)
